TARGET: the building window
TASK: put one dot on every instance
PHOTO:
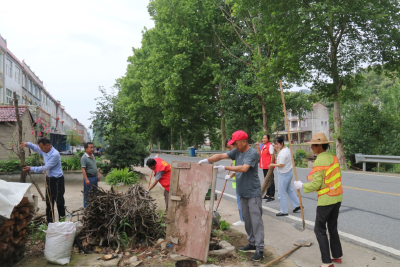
(8, 67)
(326, 123)
(17, 74)
(36, 92)
(304, 123)
(8, 96)
(322, 123)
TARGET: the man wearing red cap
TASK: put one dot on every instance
(248, 187)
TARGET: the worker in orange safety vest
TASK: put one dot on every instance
(162, 175)
(325, 179)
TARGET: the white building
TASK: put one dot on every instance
(312, 122)
(17, 76)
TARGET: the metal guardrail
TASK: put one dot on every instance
(187, 151)
(376, 159)
(168, 151)
(209, 151)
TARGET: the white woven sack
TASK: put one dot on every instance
(59, 240)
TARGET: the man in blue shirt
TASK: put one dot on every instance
(54, 176)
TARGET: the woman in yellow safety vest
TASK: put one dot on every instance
(325, 179)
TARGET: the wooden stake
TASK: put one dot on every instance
(151, 175)
(290, 146)
(21, 151)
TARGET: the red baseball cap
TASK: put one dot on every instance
(238, 135)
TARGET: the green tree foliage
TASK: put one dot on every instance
(372, 124)
(189, 81)
(73, 138)
(335, 39)
(265, 65)
(126, 149)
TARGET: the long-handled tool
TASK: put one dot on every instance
(215, 218)
(151, 175)
(299, 243)
(37, 187)
(294, 167)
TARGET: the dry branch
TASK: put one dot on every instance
(111, 213)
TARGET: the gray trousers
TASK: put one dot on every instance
(252, 216)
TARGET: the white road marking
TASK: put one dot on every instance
(350, 236)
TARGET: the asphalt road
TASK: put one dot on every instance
(370, 207)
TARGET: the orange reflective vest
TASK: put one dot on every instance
(332, 180)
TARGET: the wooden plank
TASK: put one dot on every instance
(5, 236)
(23, 202)
(9, 223)
(181, 165)
(191, 220)
(211, 209)
(173, 188)
(23, 210)
(175, 198)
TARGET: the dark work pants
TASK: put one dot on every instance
(55, 190)
(328, 215)
(271, 188)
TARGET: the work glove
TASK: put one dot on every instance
(298, 185)
(227, 177)
(203, 161)
(220, 168)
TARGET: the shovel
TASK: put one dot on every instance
(299, 243)
(215, 217)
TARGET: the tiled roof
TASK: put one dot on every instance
(7, 113)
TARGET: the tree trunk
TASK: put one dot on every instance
(264, 114)
(223, 128)
(151, 143)
(158, 144)
(337, 115)
(181, 142)
(337, 120)
(21, 150)
(172, 142)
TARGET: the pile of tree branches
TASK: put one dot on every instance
(115, 219)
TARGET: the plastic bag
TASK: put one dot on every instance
(59, 240)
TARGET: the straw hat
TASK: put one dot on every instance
(319, 138)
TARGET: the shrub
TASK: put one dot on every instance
(300, 158)
(79, 153)
(72, 163)
(223, 225)
(10, 166)
(103, 165)
(124, 176)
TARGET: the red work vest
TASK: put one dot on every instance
(166, 168)
(332, 180)
(265, 159)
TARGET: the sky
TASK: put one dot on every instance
(75, 46)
